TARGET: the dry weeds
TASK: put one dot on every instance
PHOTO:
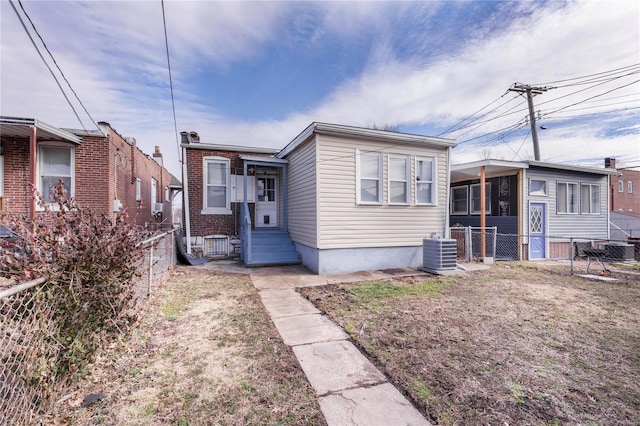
(205, 353)
(511, 345)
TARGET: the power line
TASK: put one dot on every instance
(546, 116)
(173, 104)
(590, 75)
(56, 63)
(45, 63)
(449, 130)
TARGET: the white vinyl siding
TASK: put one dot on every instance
(343, 223)
(55, 163)
(302, 195)
(399, 177)
(426, 180)
(217, 178)
(369, 177)
(460, 200)
(567, 198)
(475, 198)
(589, 199)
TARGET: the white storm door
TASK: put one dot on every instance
(266, 202)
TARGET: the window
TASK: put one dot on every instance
(538, 187)
(475, 198)
(369, 177)
(425, 180)
(216, 186)
(55, 163)
(167, 194)
(620, 186)
(589, 199)
(138, 189)
(154, 194)
(629, 187)
(567, 198)
(399, 176)
(460, 200)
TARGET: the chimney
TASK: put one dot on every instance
(610, 163)
(185, 138)
(157, 155)
(194, 136)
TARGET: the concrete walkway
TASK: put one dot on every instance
(351, 390)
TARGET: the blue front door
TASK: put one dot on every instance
(537, 230)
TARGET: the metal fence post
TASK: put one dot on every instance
(571, 253)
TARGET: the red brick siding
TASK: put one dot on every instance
(624, 202)
(16, 175)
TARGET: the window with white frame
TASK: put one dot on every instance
(630, 187)
(399, 178)
(589, 199)
(167, 194)
(476, 197)
(138, 189)
(426, 180)
(368, 177)
(55, 163)
(620, 186)
(538, 187)
(216, 199)
(460, 200)
(567, 198)
(154, 194)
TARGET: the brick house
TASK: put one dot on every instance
(101, 169)
(625, 190)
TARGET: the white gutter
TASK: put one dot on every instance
(447, 230)
(185, 200)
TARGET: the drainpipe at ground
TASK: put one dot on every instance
(185, 200)
(483, 216)
(447, 230)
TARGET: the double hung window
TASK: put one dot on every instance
(399, 178)
(476, 198)
(567, 198)
(425, 180)
(589, 199)
(55, 164)
(216, 186)
(369, 177)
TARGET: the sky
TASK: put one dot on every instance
(258, 73)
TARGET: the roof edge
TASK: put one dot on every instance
(235, 148)
(21, 121)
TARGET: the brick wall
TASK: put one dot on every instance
(16, 174)
(209, 224)
(626, 202)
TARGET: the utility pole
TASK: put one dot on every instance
(530, 91)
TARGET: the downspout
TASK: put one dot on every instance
(32, 170)
(608, 209)
(447, 230)
(483, 216)
(521, 191)
(185, 200)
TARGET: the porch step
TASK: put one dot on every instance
(272, 247)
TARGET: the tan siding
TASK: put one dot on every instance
(344, 224)
(302, 202)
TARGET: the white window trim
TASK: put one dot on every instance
(470, 197)
(71, 191)
(567, 200)
(215, 210)
(620, 186)
(154, 195)
(434, 181)
(358, 178)
(407, 178)
(629, 187)
(539, 194)
(591, 207)
(138, 189)
(466, 204)
(167, 194)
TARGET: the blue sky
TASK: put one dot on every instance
(257, 73)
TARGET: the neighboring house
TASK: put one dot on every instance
(540, 204)
(100, 169)
(625, 202)
(336, 198)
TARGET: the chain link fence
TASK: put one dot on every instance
(28, 383)
(525, 247)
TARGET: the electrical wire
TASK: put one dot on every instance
(173, 104)
(625, 68)
(449, 130)
(592, 97)
(45, 63)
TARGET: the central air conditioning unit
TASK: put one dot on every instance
(158, 207)
(439, 254)
(215, 246)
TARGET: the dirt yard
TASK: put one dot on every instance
(205, 353)
(511, 345)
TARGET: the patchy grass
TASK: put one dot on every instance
(516, 344)
(206, 353)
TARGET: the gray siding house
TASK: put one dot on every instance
(543, 204)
